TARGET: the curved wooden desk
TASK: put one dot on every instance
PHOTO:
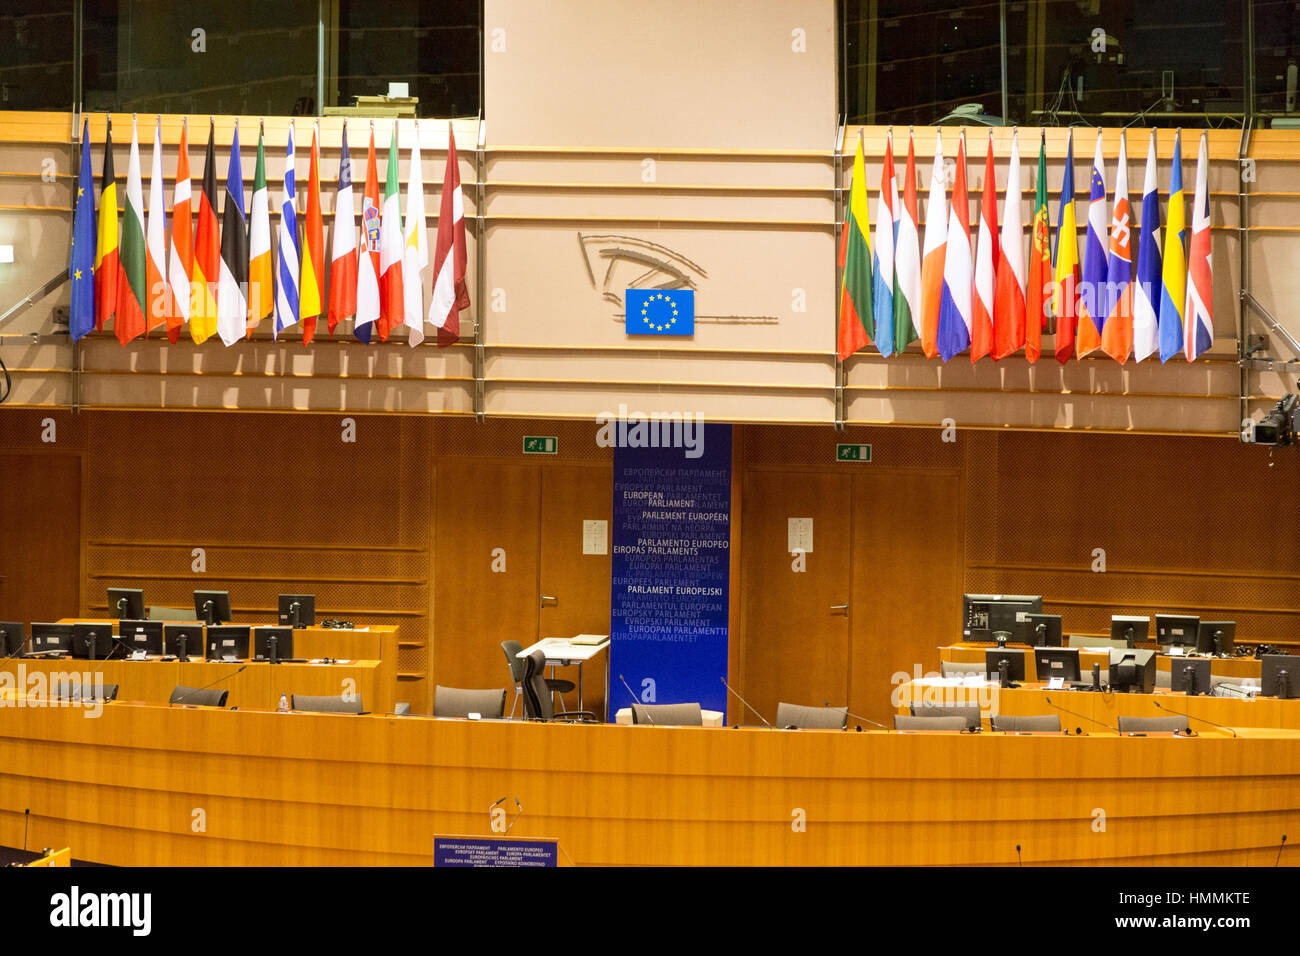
(133, 786)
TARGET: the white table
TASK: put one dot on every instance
(562, 651)
(710, 718)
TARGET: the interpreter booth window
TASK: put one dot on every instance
(36, 55)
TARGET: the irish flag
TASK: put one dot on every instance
(133, 272)
(856, 317)
(261, 287)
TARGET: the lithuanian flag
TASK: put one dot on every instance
(856, 325)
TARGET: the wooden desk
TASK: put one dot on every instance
(327, 789)
(1236, 668)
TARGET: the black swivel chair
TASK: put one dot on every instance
(970, 713)
(517, 673)
(811, 718)
(77, 691)
(668, 715)
(1154, 725)
(1026, 723)
(326, 705)
(538, 703)
(199, 697)
(458, 702)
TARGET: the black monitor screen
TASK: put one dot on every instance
(1189, 675)
(1130, 629)
(230, 641)
(1216, 637)
(144, 636)
(13, 641)
(297, 610)
(48, 638)
(126, 602)
(93, 641)
(1062, 662)
(1015, 663)
(212, 606)
(1174, 630)
(981, 612)
(183, 640)
(262, 637)
(1281, 675)
(1043, 630)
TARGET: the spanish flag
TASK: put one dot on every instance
(856, 323)
(106, 257)
(313, 253)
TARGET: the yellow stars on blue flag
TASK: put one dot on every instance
(660, 311)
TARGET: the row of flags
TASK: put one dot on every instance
(222, 277)
(1124, 297)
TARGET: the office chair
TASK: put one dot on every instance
(1040, 723)
(517, 673)
(668, 715)
(967, 712)
(455, 702)
(902, 722)
(170, 613)
(811, 718)
(962, 669)
(195, 697)
(66, 690)
(325, 705)
(1158, 725)
(538, 702)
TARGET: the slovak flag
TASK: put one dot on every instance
(955, 305)
(1198, 316)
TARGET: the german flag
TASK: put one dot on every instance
(207, 252)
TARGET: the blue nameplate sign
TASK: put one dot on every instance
(490, 851)
(660, 311)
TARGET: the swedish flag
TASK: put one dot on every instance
(660, 311)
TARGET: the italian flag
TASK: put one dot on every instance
(392, 296)
(132, 270)
(260, 288)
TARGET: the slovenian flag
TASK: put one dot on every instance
(1117, 332)
(882, 267)
(856, 319)
(1092, 290)
(81, 263)
(955, 305)
(936, 240)
(1147, 287)
(1199, 312)
(986, 263)
(1009, 297)
(287, 256)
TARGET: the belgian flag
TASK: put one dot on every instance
(106, 257)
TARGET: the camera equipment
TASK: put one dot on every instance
(1278, 427)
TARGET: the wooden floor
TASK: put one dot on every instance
(148, 785)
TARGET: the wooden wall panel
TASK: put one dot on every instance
(40, 535)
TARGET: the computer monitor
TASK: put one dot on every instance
(144, 636)
(51, 638)
(1043, 630)
(1280, 672)
(1216, 637)
(229, 642)
(126, 602)
(1015, 661)
(1133, 670)
(1062, 662)
(991, 612)
(297, 610)
(13, 639)
(1191, 675)
(1132, 629)
(92, 641)
(212, 607)
(272, 644)
(1176, 630)
(183, 641)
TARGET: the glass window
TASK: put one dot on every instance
(1277, 53)
(36, 60)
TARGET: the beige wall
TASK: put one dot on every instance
(718, 162)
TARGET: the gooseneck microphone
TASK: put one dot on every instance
(745, 702)
(1190, 716)
(1275, 862)
(516, 816)
(645, 714)
(193, 691)
(867, 719)
(1078, 730)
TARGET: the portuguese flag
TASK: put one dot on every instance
(856, 325)
(1039, 292)
(132, 270)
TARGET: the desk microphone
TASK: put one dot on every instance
(182, 699)
(1194, 717)
(867, 719)
(1275, 862)
(635, 701)
(745, 702)
(1020, 860)
(1078, 730)
(516, 817)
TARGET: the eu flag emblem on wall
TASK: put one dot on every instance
(660, 311)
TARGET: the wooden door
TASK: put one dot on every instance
(484, 568)
(795, 634)
(574, 588)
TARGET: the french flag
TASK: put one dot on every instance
(986, 259)
(955, 306)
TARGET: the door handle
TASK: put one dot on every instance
(549, 597)
(839, 607)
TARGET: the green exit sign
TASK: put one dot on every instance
(541, 444)
(853, 453)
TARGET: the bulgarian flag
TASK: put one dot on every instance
(449, 258)
(313, 254)
(132, 295)
(180, 258)
(392, 297)
(261, 288)
(1039, 292)
(156, 239)
(343, 259)
(368, 251)
(207, 252)
(856, 321)
(106, 255)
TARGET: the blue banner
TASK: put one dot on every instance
(493, 851)
(659, 311)
(671, 570)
